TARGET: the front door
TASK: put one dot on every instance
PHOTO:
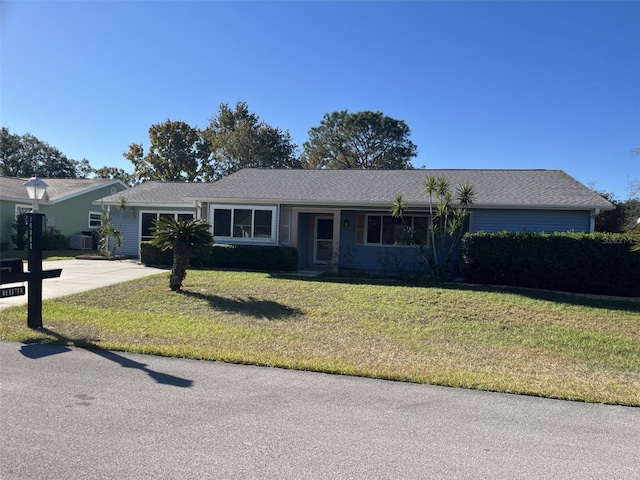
(323, 240)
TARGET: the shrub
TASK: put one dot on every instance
(599, 263)
(21, 228)
(240, 257)
(53, 239)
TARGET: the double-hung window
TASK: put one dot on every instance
(388, 230)
(147, 219)
(247, 223)
(95, 219)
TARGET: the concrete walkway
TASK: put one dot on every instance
(82, 275)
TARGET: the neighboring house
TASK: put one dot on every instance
(68, 204)
(341, 217)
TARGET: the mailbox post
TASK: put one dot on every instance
(12, 269)
(34, 316)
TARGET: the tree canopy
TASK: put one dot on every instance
(177, 153)
(362, 140)
(239, 139)
(27, 156)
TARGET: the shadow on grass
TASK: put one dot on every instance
(250, 307)
(568, 298)
(39, 350)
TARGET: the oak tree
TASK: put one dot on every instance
(238, 138)
(362, 140)
(177, 154)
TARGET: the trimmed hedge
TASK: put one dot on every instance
(239, 257)
(597, 263)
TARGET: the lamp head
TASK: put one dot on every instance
(36, 189)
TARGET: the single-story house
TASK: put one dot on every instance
(68, 204)
(341, 217)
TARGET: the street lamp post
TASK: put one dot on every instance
(36, 189)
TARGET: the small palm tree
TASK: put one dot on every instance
(182, 236)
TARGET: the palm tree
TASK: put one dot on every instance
(182, 236)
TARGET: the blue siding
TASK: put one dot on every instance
(537, 221)
(129, 229)
(380, 259)
(131, 226)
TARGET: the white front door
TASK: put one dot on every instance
(323, 240)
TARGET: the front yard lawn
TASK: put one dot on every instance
(506, 341)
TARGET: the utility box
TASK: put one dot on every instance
(80, 242)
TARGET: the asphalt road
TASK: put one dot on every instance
(73, 413)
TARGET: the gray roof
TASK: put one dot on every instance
(58, 189)
(550, 189)
(156, 194)
(494, 188)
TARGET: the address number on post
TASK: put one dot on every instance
(12, 292)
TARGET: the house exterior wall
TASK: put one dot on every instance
(358, 256)
(383, 259)
(535, 221)
(69, 216)
(209, 215)
(7, 218)
(72, 216)
(130, 224)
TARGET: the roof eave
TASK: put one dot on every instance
(302, 202)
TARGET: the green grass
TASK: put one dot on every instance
(499, 340)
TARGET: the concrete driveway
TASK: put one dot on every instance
(82, 275)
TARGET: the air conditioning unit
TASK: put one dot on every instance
(80, 242)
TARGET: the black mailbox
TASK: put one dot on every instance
(12, 271)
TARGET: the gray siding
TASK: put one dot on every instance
(537, 221)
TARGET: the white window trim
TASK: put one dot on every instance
(175, 214)
(99, 217)
(20, 208)
(380, 244)
(231, 239)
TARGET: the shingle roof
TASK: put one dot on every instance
(494, 188)
(156, 193)
(58, 189)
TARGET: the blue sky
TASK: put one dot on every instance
(495, 84)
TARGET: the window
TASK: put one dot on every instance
(242, 223)
(22, 209)
(245, 223)
(387, 230)
(95, 219)
(221, 222)
(147, 219)
(285, 225)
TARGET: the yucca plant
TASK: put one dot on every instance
(446, 222)
(181, 236)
